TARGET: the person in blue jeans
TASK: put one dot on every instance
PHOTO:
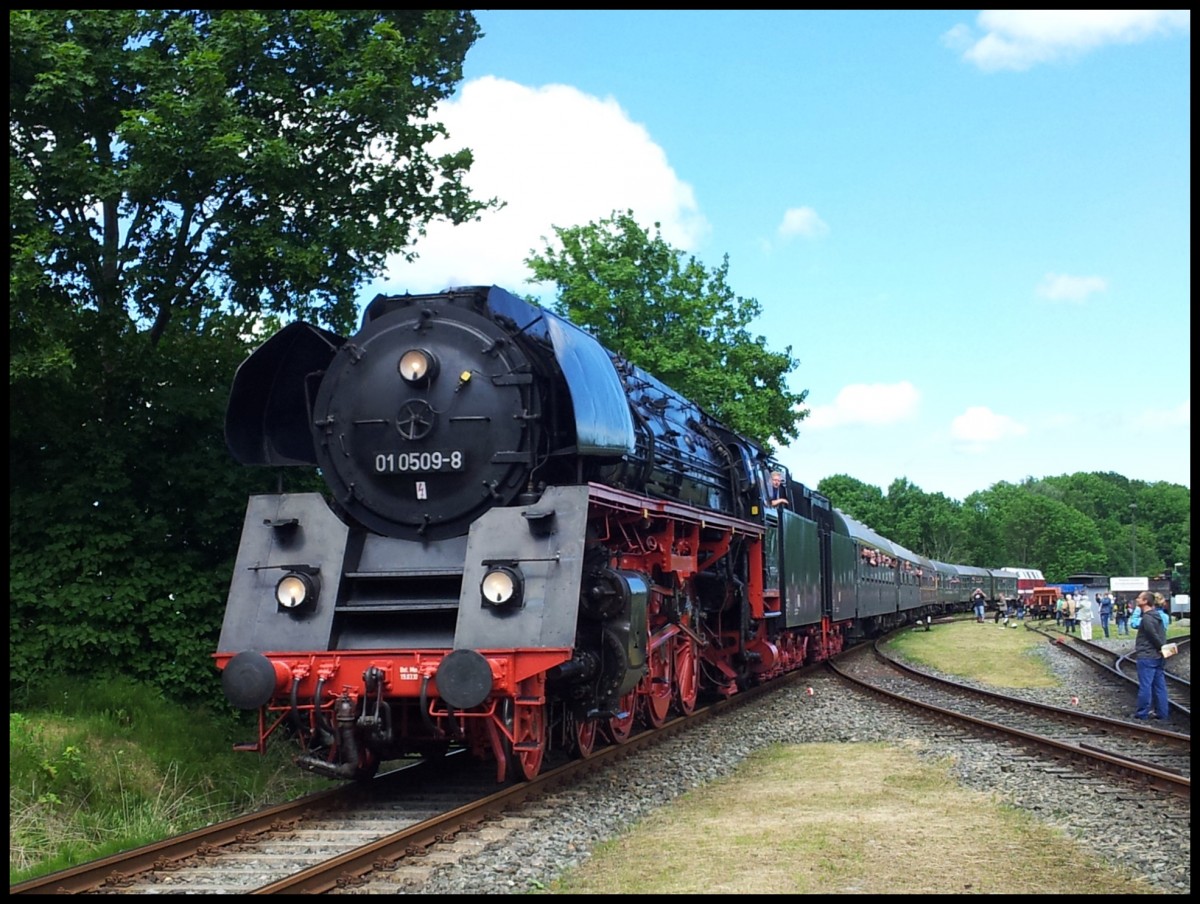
(1151, 667)
(1121, 614)
(1106, 611)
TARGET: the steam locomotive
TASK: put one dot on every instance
(527, 545)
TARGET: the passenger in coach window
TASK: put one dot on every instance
(778, 490)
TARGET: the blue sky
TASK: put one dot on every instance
(971, 227)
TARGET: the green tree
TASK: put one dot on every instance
(124, 513)
(861, 501)
(1070, 545)
(981, 544)
(164, 160)
(177, 178)
(944, 533)
(1100, 496)
(1035, 530)
(1018, 515)
(929, 523)
(906, 505)
(1154, 518)
(1164, 508)
(1061, 525)
(674, 318)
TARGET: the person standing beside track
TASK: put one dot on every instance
(1069, 614)
(1151, 667)
(979, 601)
(1106, 610)
(1083, 615)
(1121, 614)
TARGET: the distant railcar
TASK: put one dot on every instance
(1028, 579)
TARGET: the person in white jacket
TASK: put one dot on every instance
(1083, 614)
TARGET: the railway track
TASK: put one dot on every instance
(1123, 666)
(390, 835)
(1156, 757)
(382, 836)
(241, 854)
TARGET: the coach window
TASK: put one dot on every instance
(870, 560)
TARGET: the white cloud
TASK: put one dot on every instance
(1020, 39)
(979, 426)
(866, 403)
(1062, 287)
(558, 157)
(1157, 418)
(802, 221)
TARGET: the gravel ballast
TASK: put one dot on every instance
(1154, 844)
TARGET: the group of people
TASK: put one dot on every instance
(1150, 620)
(1147, 616)
(1069, 614)
(1114, 611)
(1080, 613)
